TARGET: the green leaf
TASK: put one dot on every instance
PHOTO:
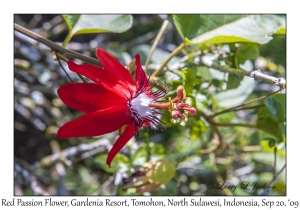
(275, 107)
(203, 72)
(269, 123)
(269, 141)
(197, 129)
(140, 155)
(190, 79)
(248, 51)
(268, 144)
(197, 29)
(191, 26)
(160, 172)
(281, 31)
(282, 99)
(234, 97)
(234, 81)
(84, 24)
(71, 20)
(120, 161)
(170, 189)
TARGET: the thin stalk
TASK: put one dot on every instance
(147, 141)
(59, 56)
(155, 43)
(218, 176)
(256, 74)
(249, 107)
(234, 124)
(229, 70)
(67, 40)
(213, 126)
(54, 46)
(275, 160)
(238, 109)
(175, 52)
(63, 67)
(268, 189)
(249, 102)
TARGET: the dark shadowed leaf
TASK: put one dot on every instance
(269, 123)
(234, 81)
(275, 107)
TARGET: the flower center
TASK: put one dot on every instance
(140, 104)
(143, 106)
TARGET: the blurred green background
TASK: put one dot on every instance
(202, 167)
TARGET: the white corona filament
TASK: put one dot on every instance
(141, 105)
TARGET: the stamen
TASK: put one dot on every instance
(143, 105)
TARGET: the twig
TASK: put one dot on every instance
(58, 59)
(213, 126)
(234, 124)
(229, 70)
(258, 75)
(72, 151)
(251, 148)
(54, 46)
(104, 186)
(267, 191)
(218, 176)
(199, 152)
(30, 180)
(175, 52)
(59, 56)
(275, 159)
(248, 102)
(157, 39)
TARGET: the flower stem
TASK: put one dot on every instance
(175, 52)
(54, 46)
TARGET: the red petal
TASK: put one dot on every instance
(141, 78)
(120, 143)
(101, 77)
(114, 67)
(88, 97)
(97, 123)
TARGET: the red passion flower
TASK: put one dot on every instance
(116, 100)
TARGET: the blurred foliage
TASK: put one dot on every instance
(183, 160)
